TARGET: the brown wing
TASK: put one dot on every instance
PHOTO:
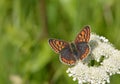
(83, 50)
(57, 45)
(67, 56)
(87, 50)
(63, 48)
(84, 35)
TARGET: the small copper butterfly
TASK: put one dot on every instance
(70, 53)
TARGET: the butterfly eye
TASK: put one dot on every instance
(84, 35)
(57, 45)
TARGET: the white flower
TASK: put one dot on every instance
(97, 74)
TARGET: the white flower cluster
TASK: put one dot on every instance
(97, 74)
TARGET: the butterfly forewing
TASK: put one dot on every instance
(57, 45)
(84, 35)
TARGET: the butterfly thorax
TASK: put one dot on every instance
(73, 49)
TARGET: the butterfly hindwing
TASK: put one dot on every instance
(84, 35)
(67, 56)
(57, 45)
(83, 50)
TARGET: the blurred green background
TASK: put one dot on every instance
(26, 26)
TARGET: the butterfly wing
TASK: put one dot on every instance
(81, 43)
(83, 50)
(67, 57)
(57, 45)
(63, 48)
(84, 35)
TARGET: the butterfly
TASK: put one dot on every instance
(71, 52)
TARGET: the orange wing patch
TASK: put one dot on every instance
(85, 54)
(84, 35)
(57, 45)
(68, 62)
